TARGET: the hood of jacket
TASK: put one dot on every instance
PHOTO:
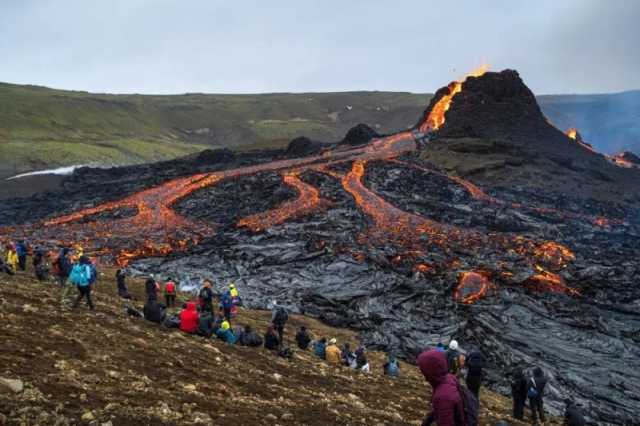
(433, 365)
(191, 307)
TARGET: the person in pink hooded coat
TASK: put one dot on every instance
(445, 400)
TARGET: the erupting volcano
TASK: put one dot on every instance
(375, 234)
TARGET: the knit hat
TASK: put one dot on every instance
(333, 341)
(453, 345)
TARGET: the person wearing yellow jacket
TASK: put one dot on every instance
(332, 353)
(11, 257)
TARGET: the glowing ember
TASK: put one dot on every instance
(437, 114)
(472, 286)
(308, 201)
(572, 133)
(552, 253)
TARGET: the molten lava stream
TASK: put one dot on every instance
(308, 201)
(436, 116)
(545, 281)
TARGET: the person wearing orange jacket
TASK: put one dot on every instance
(332, 353)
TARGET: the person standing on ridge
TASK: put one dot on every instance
(226, 302)
(151, 289)
(518, 393)
(206, 297)
(81, 277)
(445, 399)
(475, 363)
(455, 359)
(121, 278)
(40, 267)
(11, 258)
(279, 319)
(170, 293)
(22, 251)
(535, 392)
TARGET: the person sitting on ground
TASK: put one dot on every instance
(319, 348)
(189, 318)
(440, 347)
(80, 277)
(455, 359)
(22, 251)
(448, 409)
(332, 352)
(205, 324)
(302, 338)
(4, 267)
(535, 392)
(271, 340)
(226, 303)
(518, 393)
(151, 289)
(572, 414)
(391, 367)
(40, 266)
(154, 311)
(206, 297)
(249, 337)
(170, 293)
(279, 319)
(348, 357)
(11, 258)
(361, 360)
(121, 277)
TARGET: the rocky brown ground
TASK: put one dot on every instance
(106, 368)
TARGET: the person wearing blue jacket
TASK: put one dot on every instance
(80, 276)
(226, 301)
(225, 333)
(320, 347)
(22, 251)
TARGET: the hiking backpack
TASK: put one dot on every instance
(79, 275)
(93, 273)
(532, 392)
(475, 361)
(56, 266)
(470, 405)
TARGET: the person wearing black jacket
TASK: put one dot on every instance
(154, 311)
(271, 340)
(302, 338)
(535, 391)
(151, 288)
(248, 337)
(475, 363)
(572, 414)
(206, 297)
(121, 277)
(518, 393)
(205, 324)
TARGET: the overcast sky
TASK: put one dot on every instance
(234, 46)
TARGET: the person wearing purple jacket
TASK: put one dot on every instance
(446, 402)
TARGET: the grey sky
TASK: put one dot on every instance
(234, 46)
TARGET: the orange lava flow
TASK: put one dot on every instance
(436, 116)
(472, 286)
(549, 282)
(552, 253)
(308, 201)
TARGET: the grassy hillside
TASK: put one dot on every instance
(42, 127)
(82, 367)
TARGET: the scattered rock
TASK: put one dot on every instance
(13, 385)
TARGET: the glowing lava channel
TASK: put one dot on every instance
(308, 201)
(472, 286)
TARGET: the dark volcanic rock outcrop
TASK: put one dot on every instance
(303, 146)
(359, 135)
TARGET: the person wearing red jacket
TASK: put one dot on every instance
(189, 318)
(446, 401)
